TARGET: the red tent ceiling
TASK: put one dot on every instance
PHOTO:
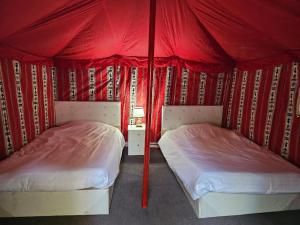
(207, 31)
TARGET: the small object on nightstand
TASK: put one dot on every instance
(138, 113)
(136, 139)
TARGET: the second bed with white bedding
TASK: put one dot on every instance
(207, 158)
(77, 155)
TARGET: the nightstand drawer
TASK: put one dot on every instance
(135, 148)
(136, 135)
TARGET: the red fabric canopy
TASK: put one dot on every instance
(207, 31)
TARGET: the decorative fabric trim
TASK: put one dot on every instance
(242, 100)
(184, 86)
(73, 86)
(169, 76)
(92, 84)
(289, 118)
(255, 94)
(110, 84)
(133, 91)
(201, 93)
(117, 83)
(54, 83)
(220, 84)
(17, 73)
(271, 104)
(45, 77)
(35, 101)
(4, 116)
(228, 121)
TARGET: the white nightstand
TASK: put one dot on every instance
(136, 140)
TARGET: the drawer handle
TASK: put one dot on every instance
(138, 134)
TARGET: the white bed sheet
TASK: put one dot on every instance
(76, 155)
(207, 158)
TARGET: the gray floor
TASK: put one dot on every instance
(167, 203)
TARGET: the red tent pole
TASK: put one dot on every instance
(149, 103)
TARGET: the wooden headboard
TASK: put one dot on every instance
(105, 112)
(175, 116)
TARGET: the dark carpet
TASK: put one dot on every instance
(167, 203)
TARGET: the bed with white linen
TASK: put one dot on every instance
(69, 169)
(223, 173)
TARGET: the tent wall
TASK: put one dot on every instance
(259, 100)
(262, 104)
(26, 99)
(112, 80)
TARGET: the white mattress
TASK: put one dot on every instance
(77, 155)
(211, 159)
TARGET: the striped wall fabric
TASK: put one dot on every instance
(262, 106)
(180, 86)
(98, 83)
(113, 82)
(27, 107)
(258, 102)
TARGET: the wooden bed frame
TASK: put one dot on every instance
(216, 204)
(74, 202)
